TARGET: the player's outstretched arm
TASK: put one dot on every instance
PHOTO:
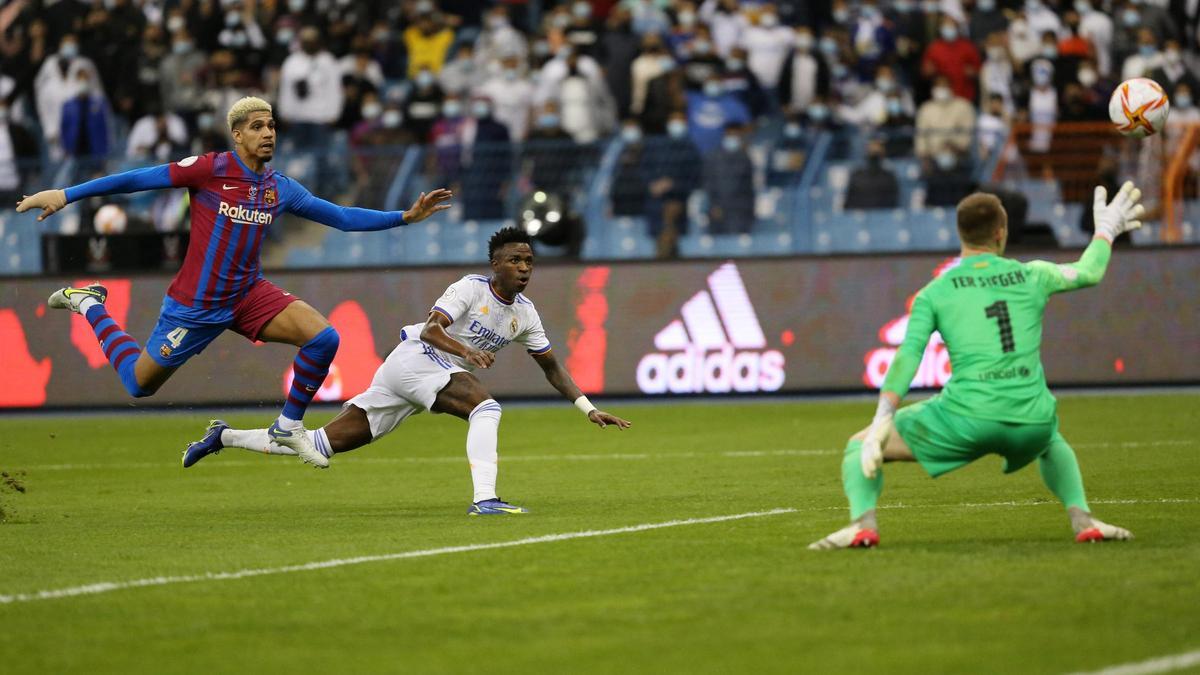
(52, 201)
(354, 219)
(1112, 219)
(560, 379)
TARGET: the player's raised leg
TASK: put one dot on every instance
(862, 490)
(139, 374)
(1060, 472)
(348, 431)
(465, 397)
(296, 323)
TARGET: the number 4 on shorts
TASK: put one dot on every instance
(176, 336)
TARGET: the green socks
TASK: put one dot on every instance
(863, 492)
(1060, 472)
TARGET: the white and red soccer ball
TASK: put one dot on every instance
(1139, 107)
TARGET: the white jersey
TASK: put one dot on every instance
(480, 318)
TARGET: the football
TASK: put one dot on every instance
(1139, 107)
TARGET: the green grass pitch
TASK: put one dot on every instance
(977, 571)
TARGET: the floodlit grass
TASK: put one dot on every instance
(977, 571)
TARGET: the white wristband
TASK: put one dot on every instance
(885, 409)
(585, 406)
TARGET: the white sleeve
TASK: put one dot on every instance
(534, 337)
(456, 301)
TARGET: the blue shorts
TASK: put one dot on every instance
(183, 332)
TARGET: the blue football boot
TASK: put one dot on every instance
(494, 507)
(209, 445)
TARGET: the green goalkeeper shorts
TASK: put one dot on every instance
(943, 441)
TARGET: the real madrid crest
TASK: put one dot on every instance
(513, 326)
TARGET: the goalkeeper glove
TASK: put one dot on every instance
(1120, 215)
(871, 454)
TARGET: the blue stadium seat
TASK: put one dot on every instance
(735, 245)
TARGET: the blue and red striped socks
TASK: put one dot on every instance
(119, 347)
(308, 373)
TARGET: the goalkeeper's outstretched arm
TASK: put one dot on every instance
(1112, 219)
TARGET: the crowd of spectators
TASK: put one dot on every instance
(497, 89)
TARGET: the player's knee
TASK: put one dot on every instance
(324, 344)
(488, 408)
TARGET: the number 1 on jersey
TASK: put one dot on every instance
(999, 311)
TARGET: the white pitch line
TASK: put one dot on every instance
(1162, 664)
(109, 586)
(450, 459)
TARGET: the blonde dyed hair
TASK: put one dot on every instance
(239, 111)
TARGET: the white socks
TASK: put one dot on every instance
(257, 440)
(288, 424)
(481, 448)
(86, 303)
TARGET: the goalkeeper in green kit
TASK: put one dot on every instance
(989, 312)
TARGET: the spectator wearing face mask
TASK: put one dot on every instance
(909, 24)
(711, 111)
(1184, 113)
(649, 16)
(786, 159)
(628, 189)
(664, 93)
(1174, 71)
(461, 75)
(804, 74)
(549, 158)
(945, 121)
(486, 163)
(953, 57)
(1062, 68)
(948, 178)
(985, 20)
(53, 86)
(727, 22)
(498, 38)
(511, 93)
(871, 109)
(992, 128)
(873, 185)
(310, 90)
(872, 37)
(85, 127)
(243, 36)
(423, 105)
(1097, 28)
(671, 170)
(361, 66)
(740, 81)
(583, 31)
(897, 128)
(996, 74)
(1041, 18)
(180, 76)
(1147, 58)
(1042, 108)
(584, 102)
(652, 62)
(1128, 17)
(682, 30)
(767, 46)
(428, 41)
(211, 136)
(701, 60)
(446, 139)
(618, 48)
(729, 184)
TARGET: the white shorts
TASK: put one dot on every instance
(406, 384)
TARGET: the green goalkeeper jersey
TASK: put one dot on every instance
(989, 311)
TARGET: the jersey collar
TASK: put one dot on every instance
(250, 174)
(496, 295)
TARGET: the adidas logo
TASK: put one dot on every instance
(934, 370)
(716, 347)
